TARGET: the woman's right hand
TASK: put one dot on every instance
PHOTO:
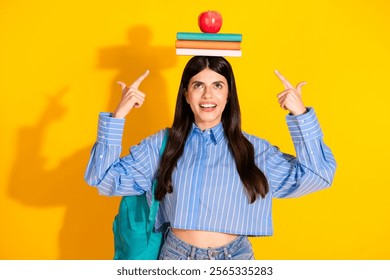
(131, 97)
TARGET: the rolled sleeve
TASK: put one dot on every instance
(110, 130)
(304, 127)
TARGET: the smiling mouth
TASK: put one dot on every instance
(207, 106)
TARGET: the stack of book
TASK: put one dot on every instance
(208, 44)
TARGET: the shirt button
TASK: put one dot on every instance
(307, 134)
(302, 121)
(311, 152)
(101, 156)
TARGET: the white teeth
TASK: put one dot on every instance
(208, 105)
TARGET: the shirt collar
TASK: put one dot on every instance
(215, 133)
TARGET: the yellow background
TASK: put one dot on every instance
(59, 62)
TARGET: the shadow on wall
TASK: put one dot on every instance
(86, 232)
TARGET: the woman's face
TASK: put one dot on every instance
(207, 96)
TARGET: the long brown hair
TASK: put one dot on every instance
(251, 176)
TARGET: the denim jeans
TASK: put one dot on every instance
(176, 249)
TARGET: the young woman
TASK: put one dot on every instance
(216, 183)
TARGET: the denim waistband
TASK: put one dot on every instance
(191, 251)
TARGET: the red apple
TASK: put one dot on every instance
(210, 21)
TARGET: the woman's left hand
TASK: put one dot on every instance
(291, 98)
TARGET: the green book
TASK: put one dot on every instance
(198, 36)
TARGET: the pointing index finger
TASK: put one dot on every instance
(138, 82)
(284, 81)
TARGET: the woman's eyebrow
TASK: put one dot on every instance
(200, 82)
(196, 81)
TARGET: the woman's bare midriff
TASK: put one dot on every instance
(204, 239)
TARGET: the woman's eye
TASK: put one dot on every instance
(198, 85)
(218, 85)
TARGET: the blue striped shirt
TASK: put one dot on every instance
(207, 191)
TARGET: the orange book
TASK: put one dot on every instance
(220, 45)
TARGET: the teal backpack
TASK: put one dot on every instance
(134, 236)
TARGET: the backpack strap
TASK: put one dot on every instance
(155, 203)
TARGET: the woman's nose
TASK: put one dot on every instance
(207, 92)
